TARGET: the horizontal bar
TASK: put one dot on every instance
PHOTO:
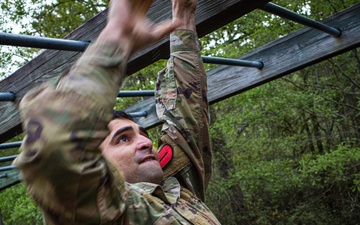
(136, 93)
(11, 96)
(42, 42)
(138, 114)
(7, 168)
(5, 175)
(232, 62)
(10, 145)
(80, 46)
(285, 13)
(8, 158)
(7, 96)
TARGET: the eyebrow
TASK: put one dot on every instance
(121, 130)
(128, 128)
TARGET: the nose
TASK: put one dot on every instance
(143, 143)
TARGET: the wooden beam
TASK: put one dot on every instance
(281, 57)
(8, 179)
(210, 16)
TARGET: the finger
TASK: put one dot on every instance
(144, 7)
(163, 29)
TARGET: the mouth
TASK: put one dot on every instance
(148, 158)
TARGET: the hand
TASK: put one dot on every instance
(184, 13)
(127, 24)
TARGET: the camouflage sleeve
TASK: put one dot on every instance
(181, 101)
(65, 122)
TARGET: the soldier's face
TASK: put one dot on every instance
(130, 148)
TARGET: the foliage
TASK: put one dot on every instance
(292, 148)
(290, 155)
(18, 209)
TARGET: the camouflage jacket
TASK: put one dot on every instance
(65, 122)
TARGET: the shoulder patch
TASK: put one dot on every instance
(166, 153)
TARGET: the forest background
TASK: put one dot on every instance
(286, 152)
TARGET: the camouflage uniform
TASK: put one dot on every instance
(65, 122)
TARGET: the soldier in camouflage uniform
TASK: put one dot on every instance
(79, 173)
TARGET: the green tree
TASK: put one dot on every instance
(307, 121)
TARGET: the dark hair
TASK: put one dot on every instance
(120, 114)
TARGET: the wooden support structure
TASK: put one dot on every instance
(281, 57)
(210, 16)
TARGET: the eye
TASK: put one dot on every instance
(123, 139)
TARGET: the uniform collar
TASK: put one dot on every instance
(168, 190)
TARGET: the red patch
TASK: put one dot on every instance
(165, 155)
